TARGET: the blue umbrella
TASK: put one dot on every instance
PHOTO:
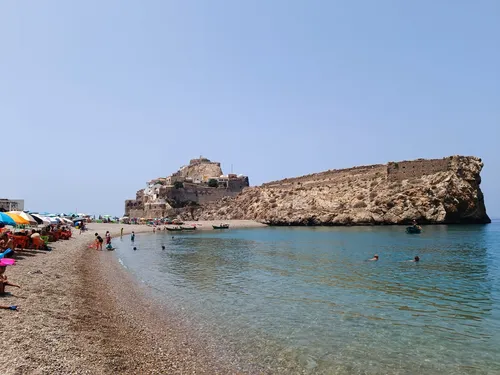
(6, 219)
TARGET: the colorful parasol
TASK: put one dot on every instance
(6, 219)
(17, 219)
(25, 216)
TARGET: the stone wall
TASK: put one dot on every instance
(397, 171)
(197, 194)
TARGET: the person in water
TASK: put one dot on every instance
(375, 258)
(121, 232)
(132, 236)
(416, 259)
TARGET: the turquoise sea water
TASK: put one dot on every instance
(305, 300)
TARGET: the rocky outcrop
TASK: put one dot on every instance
(430, 191)
(197, 171)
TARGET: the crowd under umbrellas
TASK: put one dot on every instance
(29, 232)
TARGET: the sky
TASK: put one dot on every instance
(98, 97)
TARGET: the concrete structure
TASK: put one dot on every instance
(11, 204)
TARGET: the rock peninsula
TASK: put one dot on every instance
(431, 191)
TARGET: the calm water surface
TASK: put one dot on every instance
(305, 300)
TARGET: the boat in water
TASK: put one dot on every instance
(222, 226)
(413, 229)
(181, 229)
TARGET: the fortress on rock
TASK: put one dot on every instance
(200, 182)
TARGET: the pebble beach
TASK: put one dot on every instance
(80, 312)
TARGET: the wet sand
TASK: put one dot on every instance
(80, 312)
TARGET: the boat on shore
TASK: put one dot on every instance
(222, 226)
(413, 230)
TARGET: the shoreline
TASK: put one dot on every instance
(81, 312)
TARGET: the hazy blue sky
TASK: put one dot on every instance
(97, 97)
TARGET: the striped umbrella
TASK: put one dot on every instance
(25, 216)
(17, 219)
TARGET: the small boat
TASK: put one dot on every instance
(413, 230)
(188, 228)
(222, 226)
(175, 229)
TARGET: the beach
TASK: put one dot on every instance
(80, 312)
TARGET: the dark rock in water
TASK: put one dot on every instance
(435, 191)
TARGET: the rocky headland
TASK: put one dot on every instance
(436, 191)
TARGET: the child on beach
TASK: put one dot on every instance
(132, 236)
(98, 242)
(108, 237)
(3, 279)
(121, 232)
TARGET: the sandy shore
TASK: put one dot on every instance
(81, 313)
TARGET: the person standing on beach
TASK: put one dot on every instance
(132, 236)
(108, 237)
(121, 232)
(98, 242)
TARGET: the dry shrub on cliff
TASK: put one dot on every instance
(272, 200)
(360, 197)
(359, 204)
(373, 194)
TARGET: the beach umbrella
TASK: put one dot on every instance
(6, 219)
(26, 216)
(64, 220)
(17, 219)
(45, 220)
(37, 219)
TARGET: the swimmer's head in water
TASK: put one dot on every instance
(135, 248)
(163, 247)
(417, 258)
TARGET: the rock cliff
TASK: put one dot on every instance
(200, 170)
(430, 191)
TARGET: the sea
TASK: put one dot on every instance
(308, 300)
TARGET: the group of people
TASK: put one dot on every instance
(6, 254)
(415, 259)
(99, 241)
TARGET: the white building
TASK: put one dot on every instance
(12, 204)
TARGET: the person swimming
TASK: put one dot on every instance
(135, 248)
(163, 247)
(416, 259)
(375, 258)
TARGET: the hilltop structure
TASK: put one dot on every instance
(200, 182)
(437, 191)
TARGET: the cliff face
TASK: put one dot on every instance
(430, 191)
